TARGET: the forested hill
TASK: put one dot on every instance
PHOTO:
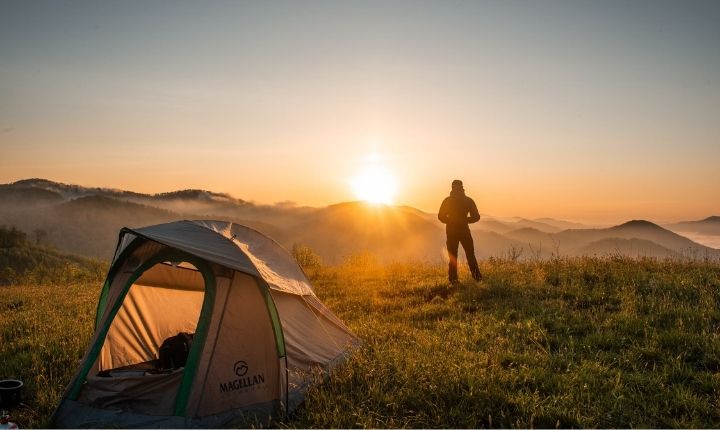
(23, 262)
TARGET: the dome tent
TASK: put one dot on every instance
(259, 335)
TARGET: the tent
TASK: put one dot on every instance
(254, 334)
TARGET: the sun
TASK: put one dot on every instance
(375, 184)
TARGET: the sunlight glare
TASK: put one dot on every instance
(375, 184)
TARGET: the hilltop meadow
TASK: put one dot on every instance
(565, 342)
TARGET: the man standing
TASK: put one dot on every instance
(456, 212)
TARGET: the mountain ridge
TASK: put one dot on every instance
(85, 221)
(708, 226)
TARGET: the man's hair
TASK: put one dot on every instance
(457, 184)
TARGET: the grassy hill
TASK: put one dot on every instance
(564, 343)
(23, 262)
(582, 342)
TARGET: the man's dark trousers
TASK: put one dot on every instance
(462, 236)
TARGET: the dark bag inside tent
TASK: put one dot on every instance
(174, 351)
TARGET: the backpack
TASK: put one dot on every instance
(174, 351)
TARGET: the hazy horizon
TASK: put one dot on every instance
(286, 203)
(596, 112)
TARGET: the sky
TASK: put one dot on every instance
(595, 111)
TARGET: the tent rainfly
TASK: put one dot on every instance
(201, 324)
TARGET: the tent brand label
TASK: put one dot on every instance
(241, 368)
(243, 382)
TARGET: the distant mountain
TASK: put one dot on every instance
(705, 231)
(195, 201)
(86, 221)
(194, 194)
(87, 225)
(561, 224)
(491, 224)
(30, 197)
(708, 226)
(391, 232)
(576, 241)
(504, 226)
(184, 202)
(641, 229)
(71, 192)
(537, 225)
(68, 191)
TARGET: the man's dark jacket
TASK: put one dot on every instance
(457, 211)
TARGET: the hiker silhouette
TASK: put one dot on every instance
(457, 212)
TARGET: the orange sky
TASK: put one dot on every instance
(596, 112)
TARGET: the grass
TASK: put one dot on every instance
(44, 331)
(562, 343)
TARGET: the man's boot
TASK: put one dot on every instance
(477, 276)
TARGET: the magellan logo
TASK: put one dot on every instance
(241, 368)
(242, 383)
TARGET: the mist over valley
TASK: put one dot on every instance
(85, 221)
